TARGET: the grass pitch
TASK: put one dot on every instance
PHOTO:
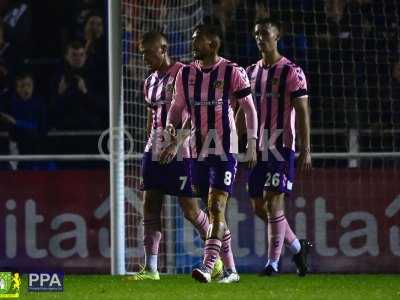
(282, 287)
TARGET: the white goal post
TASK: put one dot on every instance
(116, 140)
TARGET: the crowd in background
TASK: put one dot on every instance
(348, 48)
(53, 76)
(350, 51)
(53, 64)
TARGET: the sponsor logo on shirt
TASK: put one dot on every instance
(272, 94)
(219, 84)
(169, 88)
(160, 102)
(206, 102)
(267, 95)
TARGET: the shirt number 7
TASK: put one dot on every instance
(184, 180)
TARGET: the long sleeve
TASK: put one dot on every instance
(178, 104)
(249, 110)
(242, 92)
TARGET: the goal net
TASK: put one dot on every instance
(176, 19)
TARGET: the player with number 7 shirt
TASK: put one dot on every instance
(159, 179)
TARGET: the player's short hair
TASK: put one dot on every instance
(93, 14)
(271, 20)
(76, 45)
(210, 30)
(152, 36)
(23, 75)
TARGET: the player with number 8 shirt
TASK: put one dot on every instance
(207, 89)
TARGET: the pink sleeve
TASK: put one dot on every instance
(145, 91)
(240, 83)
(296, 83)
(251, 116)
(249, 70)
(174, 116)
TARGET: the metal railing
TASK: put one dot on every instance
(352, 155)
(138, 156)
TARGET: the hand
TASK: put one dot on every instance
(62, 86)
(89, 35)
(304, 161)
(81, 85)
(7, 119)
(170, 131)
(89, 41)
(168, 153)
(251, 153)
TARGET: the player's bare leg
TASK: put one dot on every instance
(152, 235)
(259, 208)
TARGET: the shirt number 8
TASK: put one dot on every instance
(228, 178)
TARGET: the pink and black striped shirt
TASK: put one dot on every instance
(208, 95)
(274, 88)
(158, 91)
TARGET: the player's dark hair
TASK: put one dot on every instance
(23, 75)
(93, 14)
(152, 36)
(271, 20)
(210, 30)
(74, 45)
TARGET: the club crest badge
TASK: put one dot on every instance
(219, 84)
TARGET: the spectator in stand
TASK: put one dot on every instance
(96, 49)
(8, 61)
(23, 114)
(235, 20)
(77, 13)
(334, 10)
(17, 17)
(77, 104)
(4, 84)
(95, 43)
